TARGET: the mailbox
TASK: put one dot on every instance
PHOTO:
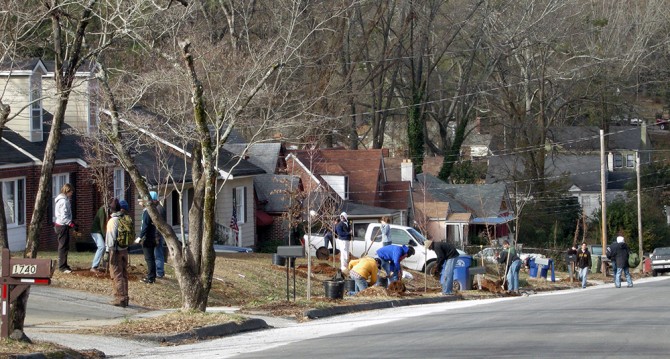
(16, 274)
(30, 268)
(291, 251)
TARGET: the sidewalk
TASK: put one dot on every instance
(53, 311)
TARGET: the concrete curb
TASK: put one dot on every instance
(344, 309)
(211, 331)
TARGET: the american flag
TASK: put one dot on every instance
(233, 224)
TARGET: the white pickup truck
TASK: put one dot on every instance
(368, 235)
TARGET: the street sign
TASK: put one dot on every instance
(16, 274)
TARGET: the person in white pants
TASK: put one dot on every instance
(343, 232)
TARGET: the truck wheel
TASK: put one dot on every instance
(430, 270)
(654, 273)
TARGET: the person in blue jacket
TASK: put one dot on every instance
(391, 256)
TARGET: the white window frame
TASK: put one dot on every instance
(18, 205)
(57, 182)
(618, 160)
(240, 205)
(36, 110)
(630, 160)
(92, 108)
(119, 183)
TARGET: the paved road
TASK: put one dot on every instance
(599, 322)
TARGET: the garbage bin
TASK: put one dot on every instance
(647, 265)
(545, 269)
(596, 264)
(462, 272)
(532, 272)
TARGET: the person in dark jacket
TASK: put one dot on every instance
(343, 232)
(509, 257)
(148, 238)
(583, 263)
(446, 262)
(391, 256)
(159, 251)
(620, 252)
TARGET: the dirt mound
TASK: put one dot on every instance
(373, 291)
(493, 286)
(397, 287)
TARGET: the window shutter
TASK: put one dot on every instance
(244, 217)
(50, 207)
(73, 200)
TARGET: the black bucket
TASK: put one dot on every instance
(278, 260)
(334, 289)
(349, 285)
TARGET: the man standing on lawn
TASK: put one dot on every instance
(120, 233)
(343, 232)
(446, 262)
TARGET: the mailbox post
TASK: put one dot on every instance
(15, 277)
(290, 252)
(570, 259)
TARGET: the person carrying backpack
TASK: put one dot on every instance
(119, 235)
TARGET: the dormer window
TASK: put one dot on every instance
(92, 106)
(36, 102)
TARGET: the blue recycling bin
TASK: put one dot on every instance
(532, 272)
(545, 269)
(462, 272)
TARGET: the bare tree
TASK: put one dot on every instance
(259, 87)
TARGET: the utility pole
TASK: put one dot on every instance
(603, 202)
(639, 204)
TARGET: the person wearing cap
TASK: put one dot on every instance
(583, 263)
(445, 265)
(148, 238)
(364, 272)
(118, 255)
(619, 254)
(511, 259)
(343, 232)
(391, 256)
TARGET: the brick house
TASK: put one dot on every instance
(30, 92)
(358, 179)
